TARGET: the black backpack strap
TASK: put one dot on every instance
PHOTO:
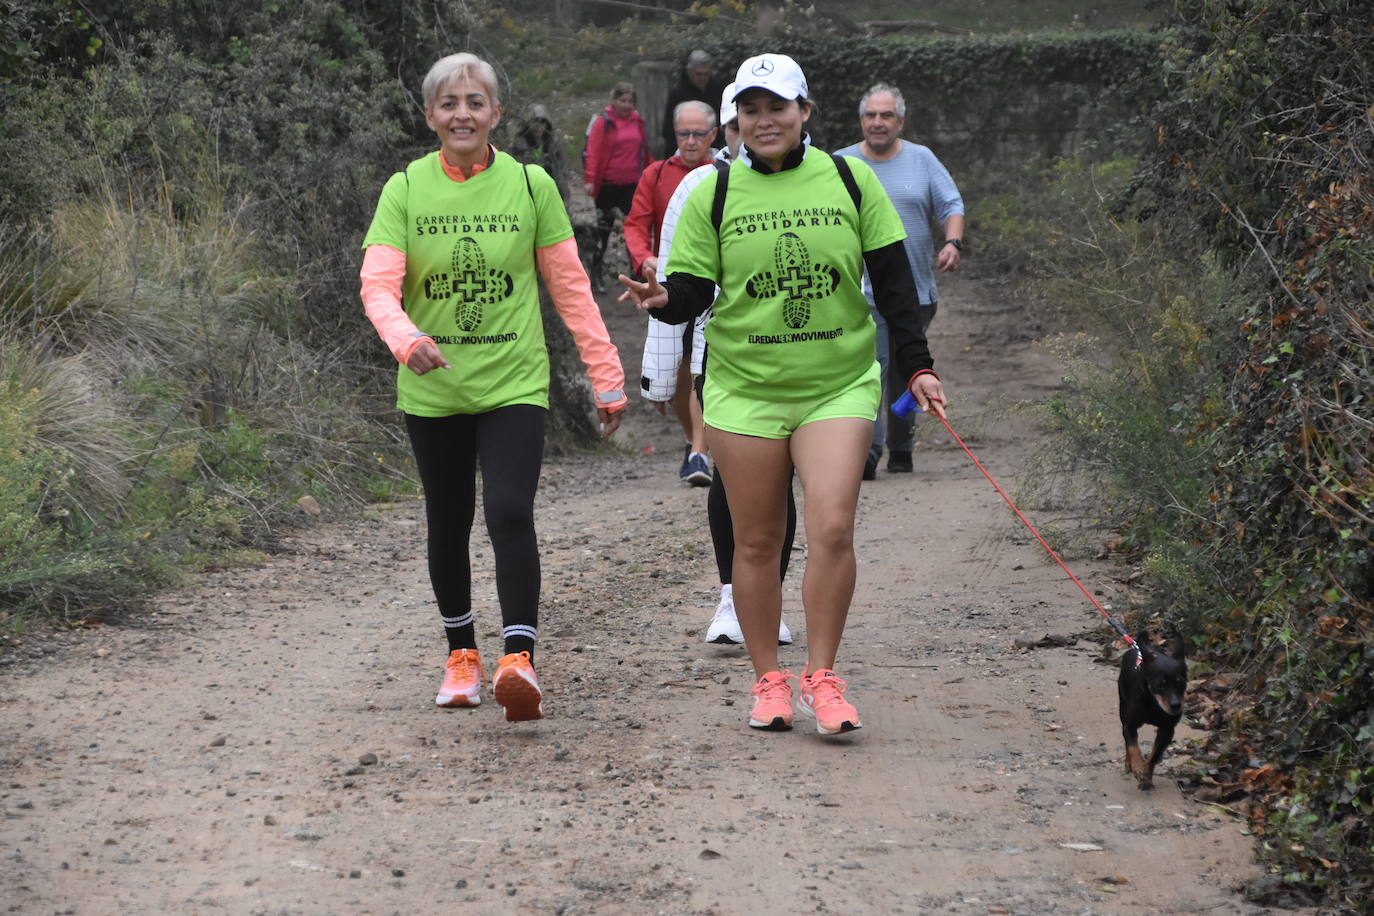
(534, 205)
(718, 202)
(847, 176)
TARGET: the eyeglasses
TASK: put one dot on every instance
(693, 134)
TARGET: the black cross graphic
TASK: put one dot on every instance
(796, 282)
(471, 285)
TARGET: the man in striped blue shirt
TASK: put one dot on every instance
(922, 191)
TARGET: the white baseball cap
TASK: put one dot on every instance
(727, 105)
(777, 73)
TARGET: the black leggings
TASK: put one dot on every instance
(508, 445)
(723, 529)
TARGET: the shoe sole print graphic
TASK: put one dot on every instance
(796, 277)
(474, 284)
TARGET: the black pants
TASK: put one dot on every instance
(723, 529)
(508, 445)
(610, 198)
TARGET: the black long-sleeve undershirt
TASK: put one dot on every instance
(688, 296)
(894, 293)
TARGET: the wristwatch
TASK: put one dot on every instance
(957, 243)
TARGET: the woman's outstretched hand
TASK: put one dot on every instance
(650, 295)
(929, 393)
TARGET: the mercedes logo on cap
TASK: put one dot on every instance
(762, 68)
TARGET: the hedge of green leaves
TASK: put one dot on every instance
(940, 75)
(1265, 148)
(1220, 399)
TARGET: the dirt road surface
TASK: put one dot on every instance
(266, 742)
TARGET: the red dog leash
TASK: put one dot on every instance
(906, 404)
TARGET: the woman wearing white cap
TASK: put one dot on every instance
(786, 232)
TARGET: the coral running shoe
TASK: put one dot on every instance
(773, 702)
(822, 695)
(462, 680)
(517, 689)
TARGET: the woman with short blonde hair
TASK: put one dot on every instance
(449, 281)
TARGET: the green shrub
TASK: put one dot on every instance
(51, 548)
(169, 414)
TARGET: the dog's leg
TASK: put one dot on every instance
(1135, 764)
(1164, 735)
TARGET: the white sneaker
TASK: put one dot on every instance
(724, 626)
(784, 634)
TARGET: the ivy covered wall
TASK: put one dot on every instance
(981, 103)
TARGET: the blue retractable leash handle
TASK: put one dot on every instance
(905, 405)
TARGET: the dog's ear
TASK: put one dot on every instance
(1176, 643)
(1142, 642)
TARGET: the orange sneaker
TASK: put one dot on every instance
(773, 702)
(822, 695)
(517, 689)
(462, 680)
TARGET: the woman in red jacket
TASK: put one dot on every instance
(617, 151)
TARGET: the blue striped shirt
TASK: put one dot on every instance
(921, 189)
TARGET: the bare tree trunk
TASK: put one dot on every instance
(567, 12)
(653, 80)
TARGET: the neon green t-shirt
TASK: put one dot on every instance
(470, 280)
(791, 322)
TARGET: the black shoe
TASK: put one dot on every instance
(899, 462)
(598, 282)
(871, 467)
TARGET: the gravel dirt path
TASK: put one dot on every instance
(266, 742)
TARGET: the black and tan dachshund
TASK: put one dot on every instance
(1151, 693)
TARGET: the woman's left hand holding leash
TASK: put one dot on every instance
(929, 393)
(649, 295)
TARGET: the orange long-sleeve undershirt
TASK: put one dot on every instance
(383, 274)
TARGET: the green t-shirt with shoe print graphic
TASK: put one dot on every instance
(470, 280)
(791, 322)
